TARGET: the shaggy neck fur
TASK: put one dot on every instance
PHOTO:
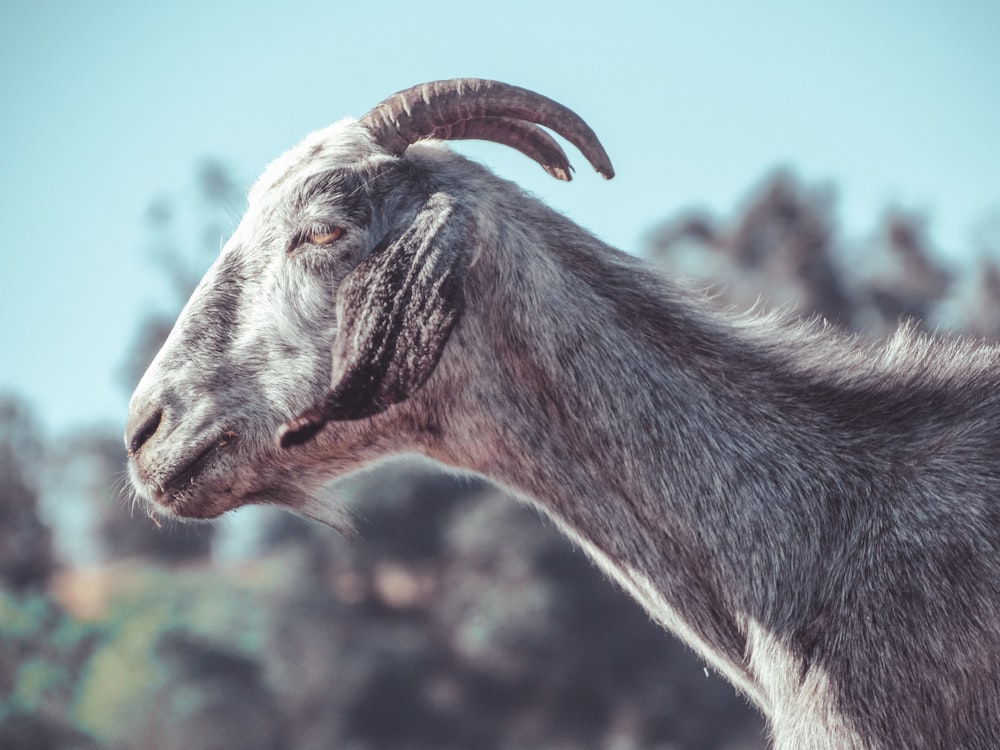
(805, 511)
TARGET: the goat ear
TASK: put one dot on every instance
(395, 312)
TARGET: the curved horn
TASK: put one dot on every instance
(464, 108)
(526, 137)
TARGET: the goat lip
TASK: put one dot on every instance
(186, 474)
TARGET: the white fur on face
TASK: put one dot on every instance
(252, 345)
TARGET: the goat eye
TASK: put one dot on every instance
(326, 237)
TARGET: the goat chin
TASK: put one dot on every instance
(816, 516)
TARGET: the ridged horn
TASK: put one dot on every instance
(473, 108)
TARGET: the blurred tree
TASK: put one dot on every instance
(983, 310)
(21, 730)
(780, 249)
(917, 283)
(779, 246)
(211, 697)
(26, 552)
(983, 314)
(42, 651)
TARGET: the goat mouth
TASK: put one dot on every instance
(185, 475)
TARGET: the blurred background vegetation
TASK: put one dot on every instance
(457, 618)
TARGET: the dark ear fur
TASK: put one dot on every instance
(395, 312)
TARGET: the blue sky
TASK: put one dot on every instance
(108, 105)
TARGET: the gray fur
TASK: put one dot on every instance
(817, 516)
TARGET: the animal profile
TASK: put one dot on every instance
(818, 517)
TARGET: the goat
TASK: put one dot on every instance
(817, 516)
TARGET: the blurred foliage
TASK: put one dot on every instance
(26, 555)
(782, 249)
(457, 618)
(41, 651)
(169, 638)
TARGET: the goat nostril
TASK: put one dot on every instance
(144, 432)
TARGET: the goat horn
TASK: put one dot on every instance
(464, 108)
(526, 137)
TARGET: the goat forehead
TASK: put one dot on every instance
(343, 143)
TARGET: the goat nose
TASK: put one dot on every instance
(143, 422)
